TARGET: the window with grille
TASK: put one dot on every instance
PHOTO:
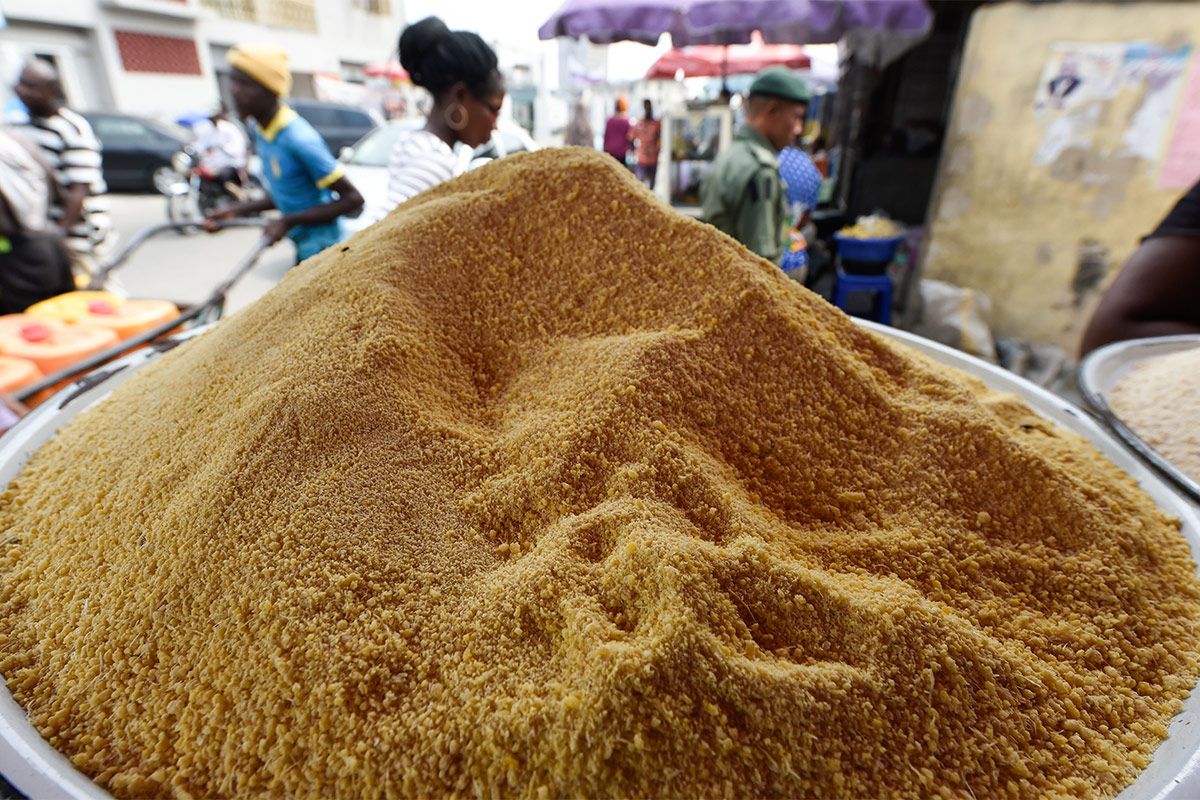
(148, 52)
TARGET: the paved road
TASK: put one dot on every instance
(186, 268)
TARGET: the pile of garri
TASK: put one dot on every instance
(539, 489)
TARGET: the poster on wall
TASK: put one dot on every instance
(1077, 74)
(1080, 83)
(1181, 165)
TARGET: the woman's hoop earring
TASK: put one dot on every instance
(456, 124)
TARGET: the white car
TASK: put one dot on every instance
(367, 161)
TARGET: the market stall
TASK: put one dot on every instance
(691, 141)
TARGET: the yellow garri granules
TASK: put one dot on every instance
(539, 489)
(1160, 400)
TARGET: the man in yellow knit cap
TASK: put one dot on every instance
(305, 181)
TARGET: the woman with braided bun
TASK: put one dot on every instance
(461, 71)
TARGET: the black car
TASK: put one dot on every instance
(133, 148)
(339, 125)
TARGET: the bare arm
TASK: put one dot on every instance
(348, 200)
(73, 197)
(1157, 293)
(249, 209)
(212, 220)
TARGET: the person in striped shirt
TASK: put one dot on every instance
(34, 263)
(462, 73)
(73, 152)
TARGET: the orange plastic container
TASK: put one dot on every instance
(73, 306)
(131, 317)
(17, 373)
(50, 344)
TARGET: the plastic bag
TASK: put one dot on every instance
(958, 317)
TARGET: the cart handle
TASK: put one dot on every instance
(215, 300)
(149, 232)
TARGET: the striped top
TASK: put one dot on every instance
(24, 184)
(419, 161)
(73, 152)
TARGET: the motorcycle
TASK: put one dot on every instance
(193, 189)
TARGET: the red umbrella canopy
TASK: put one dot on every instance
(704, 61)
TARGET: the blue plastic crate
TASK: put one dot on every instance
(872, 251)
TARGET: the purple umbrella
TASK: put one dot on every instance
(732, 21)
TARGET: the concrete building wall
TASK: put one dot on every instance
(81, 35)
(1041, 199)
(157, 94)
(74, 50)
(67, 13)
(344, 34)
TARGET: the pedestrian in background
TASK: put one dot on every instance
(616, 131)
(462, 74)
(34, 262)
(743, 194)
(820, 156)
(579, 131)
(222, 148)
(73, 153)
(646, 134)
(305, 182)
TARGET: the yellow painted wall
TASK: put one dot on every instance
(1018, 231)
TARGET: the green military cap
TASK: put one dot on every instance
(780, 82)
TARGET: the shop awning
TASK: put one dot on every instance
(723, 22)
(706, 61)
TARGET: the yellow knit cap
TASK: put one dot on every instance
(266, 63)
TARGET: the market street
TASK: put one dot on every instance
(764, 398)
(184, 269)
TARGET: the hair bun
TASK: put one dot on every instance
(417, 42)
(437, 58)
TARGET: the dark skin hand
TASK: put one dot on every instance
(73, 197)
(255, 101)
(213, 219)
(1157, 293)
(348, 200)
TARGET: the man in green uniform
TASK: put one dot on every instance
(743, 194)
